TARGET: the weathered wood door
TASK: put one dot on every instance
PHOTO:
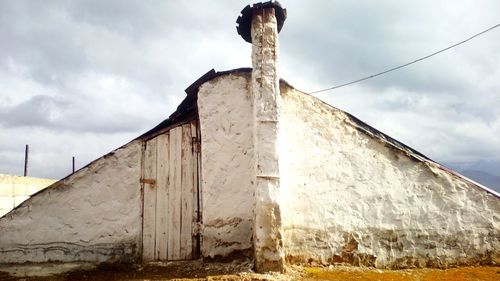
(170, 193)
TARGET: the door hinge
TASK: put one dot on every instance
(148, 181)
(196, 144)
(196, 228)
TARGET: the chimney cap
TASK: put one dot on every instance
(244, 21)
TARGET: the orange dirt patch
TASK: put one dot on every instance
(362, 274)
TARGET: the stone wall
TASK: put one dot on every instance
(93, 215)
(15, 189)
(351, 196)
(227, 165)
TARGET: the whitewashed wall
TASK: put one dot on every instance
(349, 197)
(227, 159)
(93, 215)
(15, 189)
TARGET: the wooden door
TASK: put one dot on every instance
(170, 193)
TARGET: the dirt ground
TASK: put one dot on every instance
(422, 274)
(242, 272)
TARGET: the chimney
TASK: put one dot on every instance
(259, 25)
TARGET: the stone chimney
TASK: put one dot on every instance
(259, 25)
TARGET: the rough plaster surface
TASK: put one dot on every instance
(93, 215)
(227, 159)
(351, 197)
(15, 189)
(268, 245)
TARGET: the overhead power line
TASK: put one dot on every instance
(406, 64)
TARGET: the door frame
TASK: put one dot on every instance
(145, 183)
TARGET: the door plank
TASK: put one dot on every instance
(162, 169)
(149, 211)
(174, 198)
(187, 192)
(196, 189)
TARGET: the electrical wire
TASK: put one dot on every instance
(406, 64)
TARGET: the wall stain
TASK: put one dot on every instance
(62, 252)
(217, 223)
(401, 248)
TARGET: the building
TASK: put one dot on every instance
(249, 166)
(15, 189)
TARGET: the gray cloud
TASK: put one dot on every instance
(351, 39)
(37, 111)
(57, 115)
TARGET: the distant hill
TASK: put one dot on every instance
(486, 173)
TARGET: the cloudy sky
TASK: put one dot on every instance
(80, 78)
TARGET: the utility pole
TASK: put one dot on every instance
(26, 151)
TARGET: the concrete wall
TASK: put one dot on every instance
(93, 215)
(15, 189)
(227, 159)
(348, 196)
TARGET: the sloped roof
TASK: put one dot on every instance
(188, 110)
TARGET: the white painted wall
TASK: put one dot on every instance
(349, 197)
(227, 159)
(15, 189)
(345, 195)
(93, 215)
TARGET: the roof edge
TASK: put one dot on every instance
(188, 108)
(372, 132)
